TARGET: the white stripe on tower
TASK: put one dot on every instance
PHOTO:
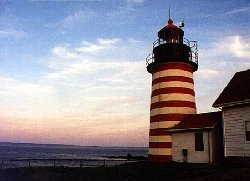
(166, 138)
(172, 100)
(172, 84)
(162, 124)
(173, 96)
(172, 110)
(159, 151)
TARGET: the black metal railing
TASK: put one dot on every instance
(150, 59)
(192, 44)
(160, 41)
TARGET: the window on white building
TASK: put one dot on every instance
(247, 130)
(199, 144)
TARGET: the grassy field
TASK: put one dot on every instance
(131, 171)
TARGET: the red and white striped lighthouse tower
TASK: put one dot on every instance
(171, 64)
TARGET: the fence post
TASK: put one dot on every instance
(81, 163)
(54, 162)
(2, 165)
(104, 163)
(29, 163)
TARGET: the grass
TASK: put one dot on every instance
(131, 171)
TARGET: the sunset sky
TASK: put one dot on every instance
(73, 72)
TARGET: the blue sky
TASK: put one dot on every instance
(73, 72)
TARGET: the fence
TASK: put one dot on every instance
(13, 163)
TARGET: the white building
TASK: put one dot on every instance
(235, 104)
(211, 137)
(198, 139)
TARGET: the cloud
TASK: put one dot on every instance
(108, 41)
(102, 44)
(236, 46)
(78, 16)
(63, 52)
(73, 69)
(121, 131)
(124, 70)
(102, 103)
(72, 61)
(207, 74)
(122, 14)
(25, 100)
(217, 65)
(68, 62)
(85, 47)
(89, 86)
(135, 1)
(12, 34)
(12, 86)
(239, 10)
(107, 85)
(132, 40)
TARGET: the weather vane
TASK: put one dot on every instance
(169, 12)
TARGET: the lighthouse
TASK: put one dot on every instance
(172, 63)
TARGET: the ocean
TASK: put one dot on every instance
(21, 155)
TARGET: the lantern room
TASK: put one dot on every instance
(171, 46)
(171, 33)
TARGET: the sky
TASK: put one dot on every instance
(74, 72)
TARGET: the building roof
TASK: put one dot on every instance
(197, 122)
(237, 91)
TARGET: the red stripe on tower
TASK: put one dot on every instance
(173, 96)
(174, 103)
(172, 78)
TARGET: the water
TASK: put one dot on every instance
(10, 151)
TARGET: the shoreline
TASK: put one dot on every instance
(65, 145)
